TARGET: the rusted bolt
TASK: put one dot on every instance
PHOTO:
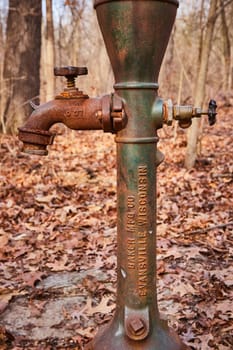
(118, 116)
(136, 328)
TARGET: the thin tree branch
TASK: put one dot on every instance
(207, 229)
(217, 13)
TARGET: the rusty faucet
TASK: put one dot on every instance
(74, 109)
(136, 34)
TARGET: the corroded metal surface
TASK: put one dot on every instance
(74, 109)
(98, 2)
(136, 36)
(78, 114)
(185, 114)
(70, 71)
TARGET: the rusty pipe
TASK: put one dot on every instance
(77, 114)
(83, 113)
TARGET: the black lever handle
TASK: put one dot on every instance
(212, 112)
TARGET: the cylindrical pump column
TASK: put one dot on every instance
(136, 33)
(136, 324)
(136, 236)
(136, 202)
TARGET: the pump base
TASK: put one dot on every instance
(113, 337)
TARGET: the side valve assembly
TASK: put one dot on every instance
(184, 114)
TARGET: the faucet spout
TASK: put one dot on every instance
(75, 114)
(78, 114)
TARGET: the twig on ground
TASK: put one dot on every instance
(207, 229)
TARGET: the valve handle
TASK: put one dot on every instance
(212, 112)
(70, 71)
(184, 114)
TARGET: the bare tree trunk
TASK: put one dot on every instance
(2, 125)
(226, 49)
(231, 69)
(194, 134)
(178, 102)
(49, 52)
(77, 14)
(21, 61)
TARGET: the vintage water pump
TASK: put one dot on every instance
(136, 33)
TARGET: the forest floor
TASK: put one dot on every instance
(58, 239)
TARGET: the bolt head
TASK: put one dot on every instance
(137, 325)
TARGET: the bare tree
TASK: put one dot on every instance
(226, 48)
(79, 42)
(205, 49)
(49, 53)
(1, 74)
(21, 61)
(68, 32)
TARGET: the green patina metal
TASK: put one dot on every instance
(136, 34)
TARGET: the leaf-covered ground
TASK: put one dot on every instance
(58, 240)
